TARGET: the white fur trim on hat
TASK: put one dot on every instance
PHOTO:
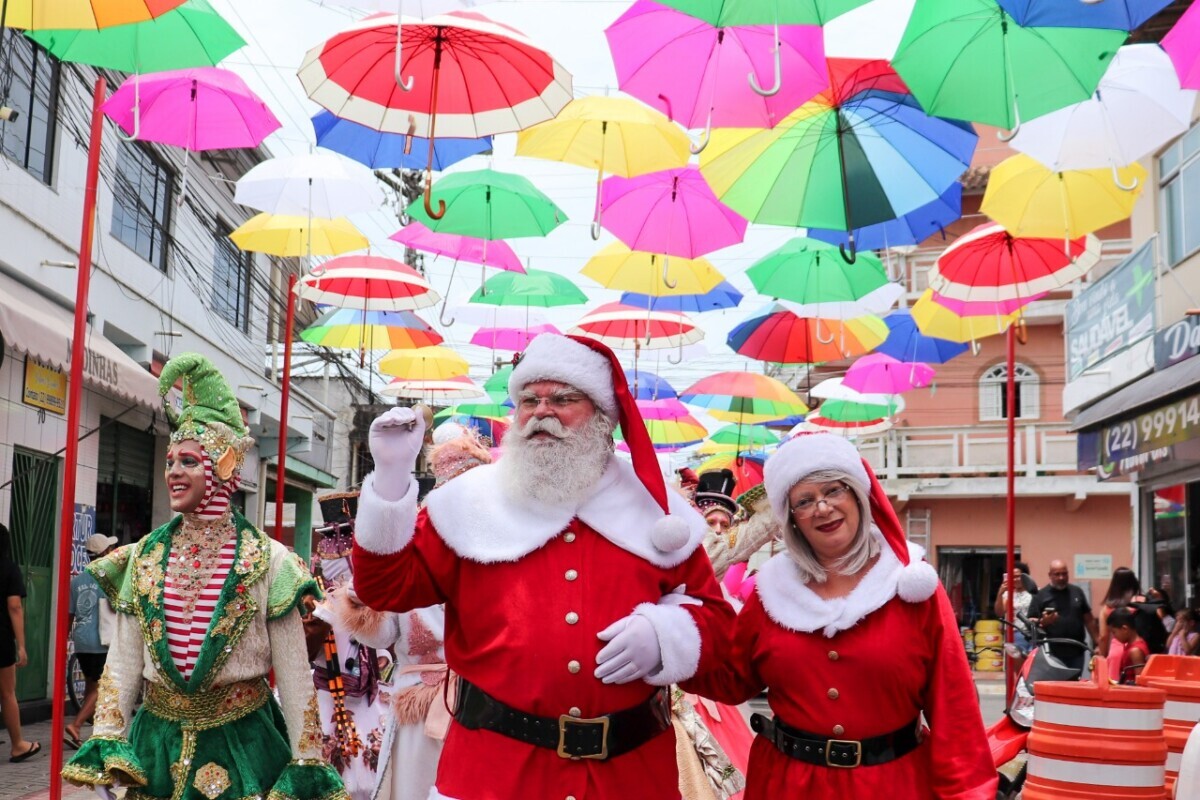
(550, 357)
(802, 456)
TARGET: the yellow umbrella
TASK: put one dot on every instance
(424, 364)
(618, 267)
(288, 236)
(610, 134)
(82, 14)
(940, 322)
(1029, 199)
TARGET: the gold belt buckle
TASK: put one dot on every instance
(857, 753)
(566, 719)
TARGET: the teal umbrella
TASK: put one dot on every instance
(535, 289)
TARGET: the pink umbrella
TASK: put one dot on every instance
(460, 248)
(673, 212)
(979, 308)
(666, 408)
(1182, 44)
(515, 339)
(881, 374)
(697, 74)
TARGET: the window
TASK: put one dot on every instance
(993, 389)
(142, 203)
(231, 281)
(29, 86)
(1180, 169)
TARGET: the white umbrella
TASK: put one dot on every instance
(835, 389)
(322, 184)
(1138, 107)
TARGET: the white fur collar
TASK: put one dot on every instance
(794, 606)
(475, 515)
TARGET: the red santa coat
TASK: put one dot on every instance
(526, 591)
(855, 668)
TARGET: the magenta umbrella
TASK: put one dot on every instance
(1182, 44)
(460, 248)
(515, 339)
(703, 76)
(673, 212)
(983, 308)
(879, 373)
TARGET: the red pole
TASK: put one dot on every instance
(66, 524)
(280, 468)
(1011, 500)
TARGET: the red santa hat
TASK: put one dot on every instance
(815, 452)
(592, 368)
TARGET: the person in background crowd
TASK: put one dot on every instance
(1135, 650)
(1185, 638)
(1021, 600)
(714, 498)
(1122, 589)
(1063, 612)
(12, 649)
(84, 619)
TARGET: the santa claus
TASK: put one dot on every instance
(575, 587)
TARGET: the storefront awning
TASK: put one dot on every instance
(1148, 391)
(34, 325)
(307, 473)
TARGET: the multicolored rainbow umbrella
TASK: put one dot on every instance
(778, 335)
(743, 397)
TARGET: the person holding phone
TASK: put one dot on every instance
(1063, 612)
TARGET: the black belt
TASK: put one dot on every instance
(844, 753)
(571, 737)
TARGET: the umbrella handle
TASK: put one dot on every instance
(137, 111)
(596, 230)
(680, 360)
(441, 210)
(406, 85)
(1008, 137)
(666, 273)
(318, 270)
(1117, 175)
(1090, 2)
(446, 298)
(697, 147)
(817, 332)
(852, 256)
(753, 78)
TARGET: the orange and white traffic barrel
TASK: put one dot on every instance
(1096, 741)
(1179, 677)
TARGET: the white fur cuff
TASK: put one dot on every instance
(385, 527)
(678, 641)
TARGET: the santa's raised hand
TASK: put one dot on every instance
(396, 438)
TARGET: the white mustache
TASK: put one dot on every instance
(548, 425)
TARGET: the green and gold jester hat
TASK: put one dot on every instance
(210, 415)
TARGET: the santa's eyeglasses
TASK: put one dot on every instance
(560, 401)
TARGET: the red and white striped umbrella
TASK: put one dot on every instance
(435, 392)
(630, 328)
(368, 283)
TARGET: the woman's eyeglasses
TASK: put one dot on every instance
(805, 507)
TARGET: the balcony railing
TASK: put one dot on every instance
(980, 450)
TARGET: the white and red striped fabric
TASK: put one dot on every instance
(215, 502)
(184, 637)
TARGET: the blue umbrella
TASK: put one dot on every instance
(649, 386)
(906, 343)
(912, 228)
(1120, 15)
(383, 150)
(721, 296)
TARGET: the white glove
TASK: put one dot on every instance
(396, 438)
(104, 792)
(632, 651)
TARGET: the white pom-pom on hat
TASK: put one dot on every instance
(918, 581)
(670, 534)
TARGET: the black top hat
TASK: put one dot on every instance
(716, 489)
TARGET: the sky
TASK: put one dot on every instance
(279, 32)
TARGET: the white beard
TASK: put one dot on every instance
(557, 472)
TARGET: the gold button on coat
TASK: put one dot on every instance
(838, 730)
(571, 575)
(833, 655)
(573, 667)
(832, 694)
(568, 537)
(572, 618)
(574, 711)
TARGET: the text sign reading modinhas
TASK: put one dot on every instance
(1166, 425)
(1112, 313)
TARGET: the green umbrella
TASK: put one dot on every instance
(850, 411)
(727, 13)
(483, 410)
(969, 60)
(811, 272)
(535, 289)
(192, 35)
(490, 205)
(744, 436)
(497, 385)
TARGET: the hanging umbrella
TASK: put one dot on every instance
(702, 73)
(976, 308)
(368, 283)
(491, 205)
(937, 320)
(627, 328)
(818, 423)
(879, 373)
(1137, 108)
(608, 134)
(747, 469)
(860, 153)
(851, 411)
(990, 264)
(673, 212)
(911, 228)
(1182, 44)
(1119, 15)
(293, 237)
(618, 267)
(814, 275)
(496, 386)
(433, 363)
(493, 411)
(515, 339)
(906, 342)
(765, 12)
(191, 35)
(471, 249)
(743, 397)
(836, 389)
(739, 436)
(777, 335)
(486, 78)
(720, 297)
(969, 60)
(316, 184)
(491, 429)
(1030, 200)
(535, 289)
(667, 408)
(86, 14)
(371, 330)
(649, 387)
(380, 150)
(433, 391)
(672, 433)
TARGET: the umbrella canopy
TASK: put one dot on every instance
(721, 296)
(320, 184)
(990, 264)
(764, 12)
(911, 228)
(1137, 108)
(975, 308)
(368, 283)
(370, 330)
(969, 60)
(673, 212)
(747, 469)
(471, 249)
(879, 373)
(694, 70)
(490, 205)
(488, 427)
(836, 389)
(648, 386)
(627, 328)
(292, 237)
(906, 342)
(861, 153)
(668, 408)
(1120, 15)
(813, 274)
(1029, 199)
(515, 339)
(1182, 44)
(744, 436)
(191, 35)
(380, 150)
(476, 410)
(819, 423)
(936, 320)
(536, 288)
(743, 397)
(88, 14)
(673, 433)
(433, 391)
(434, 363)
(857, 411)
(777, 335)
(496, 386)
(618, 267)
(203, 108)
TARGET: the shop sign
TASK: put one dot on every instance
(1112, 313)
(1153, 430)
(1092, 566)
(45, 387)
(85, 526)
(1177, 342)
